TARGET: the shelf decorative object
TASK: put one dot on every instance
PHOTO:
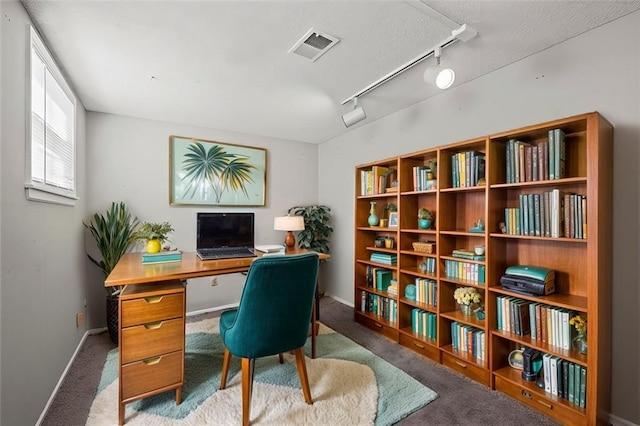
(580, 341)
(466, 297)
(424, 218)
(373, 218)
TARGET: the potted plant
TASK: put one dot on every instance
(391, 207)
(424, 218)
(466, 297)
(317, 230)
(114, 232)
(155, 234)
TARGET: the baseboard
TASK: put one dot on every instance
(64, 374)
(617, 421)
(207, 310)
(344, 302)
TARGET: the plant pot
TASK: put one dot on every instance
(153, 246)
(112, 318)
(466, 310)
(424, 223)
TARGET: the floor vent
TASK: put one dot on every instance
(313, 44)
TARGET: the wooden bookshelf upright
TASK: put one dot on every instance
(489, 191)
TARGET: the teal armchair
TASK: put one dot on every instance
(273, 317)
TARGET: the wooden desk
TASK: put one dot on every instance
(152, 312)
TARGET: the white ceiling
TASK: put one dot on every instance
(224, 64)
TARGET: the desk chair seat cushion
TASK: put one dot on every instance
(270, 318)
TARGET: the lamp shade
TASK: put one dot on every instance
(288, 223)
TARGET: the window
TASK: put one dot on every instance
(51, 140)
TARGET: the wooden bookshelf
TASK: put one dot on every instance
(487, 190)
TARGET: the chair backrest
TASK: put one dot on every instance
(275, 307)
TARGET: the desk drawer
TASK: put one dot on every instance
(153, 308)
(148, 340)
(152, 374)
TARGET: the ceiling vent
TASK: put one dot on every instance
(313, 44)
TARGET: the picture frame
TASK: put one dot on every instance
(211, 173)
(393, 220)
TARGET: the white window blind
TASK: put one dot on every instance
(51, 147)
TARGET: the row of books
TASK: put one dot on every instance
(376, 181)
(385, 258)
(379, 278)
(426, 291)
(468, 339)
(428, 266)
(545, 323)
(162, 256)
(526, 162)
(467, 254)
(423, 178)
(382, 306)
(467, 169)
(565, 379)
(424, 323)
(472, 272)
(551, 214)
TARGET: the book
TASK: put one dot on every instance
(546, 370)
(560, 153)
(270, 248)
(553, 372)
(583, 386)
(571, 383)
(162, 256)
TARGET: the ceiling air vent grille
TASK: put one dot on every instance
(313, 44)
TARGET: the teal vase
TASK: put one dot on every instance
(424, 223)
(373, 218)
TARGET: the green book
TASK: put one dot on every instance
(583, 386)
(576, 385)
(571, 383)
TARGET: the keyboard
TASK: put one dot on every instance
(225, 253)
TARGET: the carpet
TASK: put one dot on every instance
(349, 385)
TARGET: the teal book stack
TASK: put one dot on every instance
(162, 256)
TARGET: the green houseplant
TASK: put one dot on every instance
(114, 232)
(155, 234)
(317, 230)
(424, 218)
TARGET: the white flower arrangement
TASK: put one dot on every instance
(466, 295)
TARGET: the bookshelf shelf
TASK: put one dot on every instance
(509, 178)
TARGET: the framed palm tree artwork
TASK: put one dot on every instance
(216, 174)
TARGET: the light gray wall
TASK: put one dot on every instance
(42, 257)
(568, 79)
(128, 159)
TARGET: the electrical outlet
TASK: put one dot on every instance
(79, 319)
(214, 281)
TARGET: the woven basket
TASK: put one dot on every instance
(423, 247)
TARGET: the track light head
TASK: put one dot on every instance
(442, 77)
(354, 116)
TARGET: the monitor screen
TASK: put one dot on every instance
(224, 230)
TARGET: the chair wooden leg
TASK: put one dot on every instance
(281, 358)
(247, 388)
(302, 372)
(225, 368)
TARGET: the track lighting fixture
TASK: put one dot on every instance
(354, 116)
(442, 77)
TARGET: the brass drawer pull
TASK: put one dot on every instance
(377, 325)
(546, 404)
(526, 394)
(153, 299)
(419, 345)
(461, 364)
(152, 361)
(153, 325)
